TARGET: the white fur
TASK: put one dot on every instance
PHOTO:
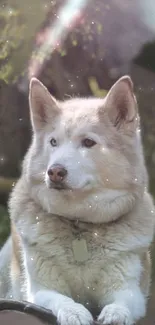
(106, 205)
(123, 305)
(133, 299)
(115, 314)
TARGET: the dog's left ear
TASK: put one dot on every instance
(121, 105)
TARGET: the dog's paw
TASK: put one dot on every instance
(114, 314)
(74, 314)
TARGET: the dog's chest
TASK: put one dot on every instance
(76, 244)
(71, 258)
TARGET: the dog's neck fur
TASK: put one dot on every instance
(126, 214)
(105, 207)
(101, 216)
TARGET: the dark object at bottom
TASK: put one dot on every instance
(24, 313)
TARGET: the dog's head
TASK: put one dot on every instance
(86, 154)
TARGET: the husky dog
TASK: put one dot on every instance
(81, 217)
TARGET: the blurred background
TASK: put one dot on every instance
(76, 48)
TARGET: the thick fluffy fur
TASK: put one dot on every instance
(105, 202)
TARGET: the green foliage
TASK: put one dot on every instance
(96, 91)
(6, 184)
(19, 21)
(4, 224)
(11, 40)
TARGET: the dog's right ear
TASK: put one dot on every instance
(43, 106)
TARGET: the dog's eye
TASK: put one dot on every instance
(53, 142)
(88, 143)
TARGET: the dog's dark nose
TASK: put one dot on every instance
(57, 173)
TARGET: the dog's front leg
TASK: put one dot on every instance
(126, 307)
(64, 308)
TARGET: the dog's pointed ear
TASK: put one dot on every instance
(121, 105)
(43, 106)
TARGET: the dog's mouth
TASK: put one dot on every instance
(59, 186)
(63, 186)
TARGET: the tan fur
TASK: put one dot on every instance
(16, 261)
(106, 203)
(15, 249)
(146, 274)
